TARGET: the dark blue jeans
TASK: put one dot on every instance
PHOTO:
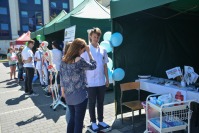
(77, 113)
(28, 81)
(20, 71)
(96, 94)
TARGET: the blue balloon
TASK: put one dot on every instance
(110, 63)
(110, 75)
(116, 39)
(106, 45)
(107, 36)
(118, 74)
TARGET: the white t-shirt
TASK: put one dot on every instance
(56, 58)
(38, 55)
(26, 53)
(96, 77)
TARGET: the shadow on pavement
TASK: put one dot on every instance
(6, 64)
(43, 104)
(11, 84)
(5, 81)
(17, 100)
(34, 118)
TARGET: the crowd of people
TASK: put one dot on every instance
(82, 76)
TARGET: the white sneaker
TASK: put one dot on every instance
(33, 94)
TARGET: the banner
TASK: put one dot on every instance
(69, 34)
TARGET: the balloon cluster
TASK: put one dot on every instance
(110, 41)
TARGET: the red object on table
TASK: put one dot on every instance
(179, 96)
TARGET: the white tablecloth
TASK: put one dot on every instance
(154, 85)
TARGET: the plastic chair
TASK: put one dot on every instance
(133, 105)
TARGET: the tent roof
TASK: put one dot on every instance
(132, 6)
(24, 37)
(56, 19)
(93, 10)
(124, 7)
(88, 9)
(46, 27)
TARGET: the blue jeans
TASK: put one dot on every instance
(77, 113)
(20, 73)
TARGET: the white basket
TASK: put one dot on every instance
(179, 115)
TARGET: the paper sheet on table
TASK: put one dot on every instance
(174, 72)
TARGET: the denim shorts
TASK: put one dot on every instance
(12, 64)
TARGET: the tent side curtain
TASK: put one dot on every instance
(151, 44)
(132, 6)
(62, 24)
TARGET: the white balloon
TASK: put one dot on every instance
(106, 45)
(107, 36)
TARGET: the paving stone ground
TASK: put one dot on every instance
(21, 114)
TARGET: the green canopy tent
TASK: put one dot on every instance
(49, 27)
(157, 35)
(85, 16)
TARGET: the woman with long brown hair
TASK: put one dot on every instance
(12, 59)
(73, 81)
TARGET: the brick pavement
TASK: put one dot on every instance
(21, 114)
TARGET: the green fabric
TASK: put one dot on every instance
(132, 6)
(154, 41)
(185, 5)
(39, 32)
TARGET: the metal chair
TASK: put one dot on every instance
(133, 105)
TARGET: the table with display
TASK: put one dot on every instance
(161, 86)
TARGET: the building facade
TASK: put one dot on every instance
(19, 16)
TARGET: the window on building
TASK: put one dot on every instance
(24, 14)
(31, 24)
(4, 33)
(4, 27)
(25, 27)
(53, 5)
(24, 1)
(65, 5)
(3, 11)
(38, 18)
(38, 2)
(38, 27)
